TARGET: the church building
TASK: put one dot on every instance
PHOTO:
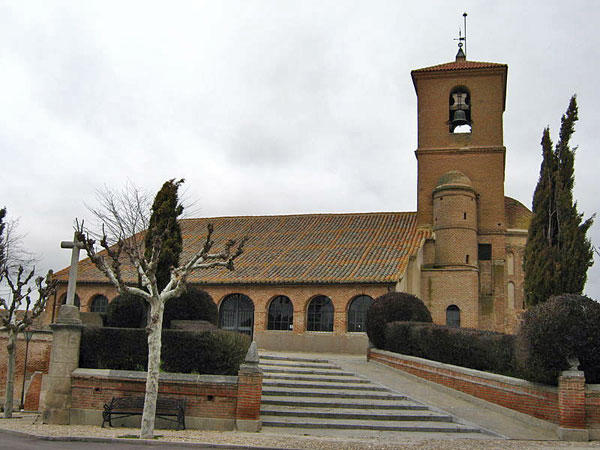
(305, 281)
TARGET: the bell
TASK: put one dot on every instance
(459, 118)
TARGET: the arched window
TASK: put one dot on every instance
(510, 263)
(453, 316)
(99, 304)
(357, 313)
(236, 313)
(460, 110)
(320, 314)
(281, 314)
(511, 295)
(63, 300)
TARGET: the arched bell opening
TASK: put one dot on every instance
(460, 110)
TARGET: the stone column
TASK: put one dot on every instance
(249, 393)
(64, 359)
(571, 405)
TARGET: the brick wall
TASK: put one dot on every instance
(38, 359)
(261, 295)
(33, 391)
(529, 398)
(592, 408)
(207, 396)
(573, 405)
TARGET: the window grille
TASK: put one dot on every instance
(357, 313)
(320, 314)
(281, 314)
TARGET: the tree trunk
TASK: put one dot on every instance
(10, 374)
(154, 343)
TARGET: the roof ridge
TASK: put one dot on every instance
(458, 65)
(299, 215)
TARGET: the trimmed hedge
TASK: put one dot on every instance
(565, 325)
(99, 348)
(126, 311)
(209, 352)
(193, 304)
(475, 349)
(392, 307)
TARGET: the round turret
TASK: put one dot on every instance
(455, 220)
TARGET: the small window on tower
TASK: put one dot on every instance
(460, 110)
(484, 252)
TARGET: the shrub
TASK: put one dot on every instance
(476, 349)
(126, 311)
(208, 352)
(392, 307)
(193, 304)
(564, 326)
(114, 348)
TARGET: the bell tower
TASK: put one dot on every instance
(460, 189)
(460, 107)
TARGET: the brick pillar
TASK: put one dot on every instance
(64, 359)
(32, 395)
(249, 393)
(571, 405)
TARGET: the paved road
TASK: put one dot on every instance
(14, 442)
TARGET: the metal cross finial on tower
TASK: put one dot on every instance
(462, 53)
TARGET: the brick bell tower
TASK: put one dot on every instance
(460, 190)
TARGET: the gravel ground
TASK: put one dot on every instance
(30, 423)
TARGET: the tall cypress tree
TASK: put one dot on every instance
(163, 222)
(558, 253)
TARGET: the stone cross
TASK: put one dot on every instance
(75, 245)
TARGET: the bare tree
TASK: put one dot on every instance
(15, 320)
(125, 216)
(13, 254)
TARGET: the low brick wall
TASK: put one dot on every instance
(38, 359)
(211, 400)
(592, 409)
(529, 398)
(533, 399)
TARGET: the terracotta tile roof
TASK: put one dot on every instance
(459, 65)
(310, 248)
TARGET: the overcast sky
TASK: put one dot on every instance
(268, 107)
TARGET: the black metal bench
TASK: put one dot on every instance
(166, 408)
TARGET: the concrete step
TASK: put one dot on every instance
(328, 393)
(296, 365)
(375, 435)
(294, 370)
(313, 396)
(336, 402)
(323, 378)
(359, 424)
(380, 415)
(267, 357)
(334, 386)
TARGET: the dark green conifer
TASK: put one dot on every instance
(558, 253)
(164, 225)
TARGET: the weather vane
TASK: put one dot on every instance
(462, 38)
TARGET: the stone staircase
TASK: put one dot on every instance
(315, 396)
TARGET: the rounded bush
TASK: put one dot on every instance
(208, 352)
(563, 327)
(126, 311)
(193, 304)
(393, 307)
